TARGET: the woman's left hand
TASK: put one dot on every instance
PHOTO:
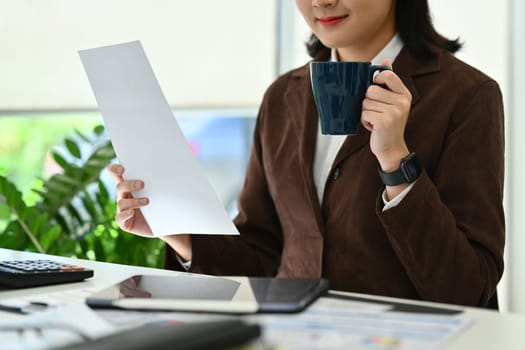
(385, 114)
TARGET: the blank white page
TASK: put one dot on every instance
(150, 145)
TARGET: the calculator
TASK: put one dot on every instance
(33, 273)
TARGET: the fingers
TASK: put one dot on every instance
(131, 220)
(392, 81)
(126, 187)
(129, 216)
(377, 93)
(396, 100)
(385, 111)
(125, 218)
(126, 210)
(116, 171)
(380, 121)
(397, 109)
(126, 204)
(373, 120)
(373, 105)
(131, 203)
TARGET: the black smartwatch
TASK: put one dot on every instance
(408, 172)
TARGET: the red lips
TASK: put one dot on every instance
(331, 20)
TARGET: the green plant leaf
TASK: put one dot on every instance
(59, 159)
(13, 237)
(73, 148)
(105, 152)
(50, 237)
(89, 205)
(54, 185)
(48, 197)
(10, 199)
(99, 249)
(64, 246)
(103, 192)
(61, 220)
(68, 180)
(5, 213)
(97, 163)
(74, 171)
(82, 136)
(39, 221)
(73, 212)
(98, 130)
(83, 245)
(23, 213)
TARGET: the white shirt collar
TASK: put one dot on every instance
(391, 50)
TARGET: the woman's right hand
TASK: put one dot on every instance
(128, 216)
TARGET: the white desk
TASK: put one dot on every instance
(490, 329)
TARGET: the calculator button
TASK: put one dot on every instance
(41, 268)
(7, 269)
(71, 268)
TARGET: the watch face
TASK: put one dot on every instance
(410, 167)
(410, 171)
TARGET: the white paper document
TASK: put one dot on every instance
(54, 328)
(150, 145)
(361, 328)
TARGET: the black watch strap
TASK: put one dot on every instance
(408, 172)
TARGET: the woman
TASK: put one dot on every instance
(315, 205)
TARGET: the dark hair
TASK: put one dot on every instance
(415, 28)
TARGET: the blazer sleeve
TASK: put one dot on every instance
(449, 231)
(257, 250)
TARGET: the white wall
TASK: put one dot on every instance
(516, 161)
(483, 26)
(205, 53)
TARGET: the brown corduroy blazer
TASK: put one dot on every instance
(444, 242)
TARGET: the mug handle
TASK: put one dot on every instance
(374, 69)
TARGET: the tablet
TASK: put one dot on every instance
(203, 293)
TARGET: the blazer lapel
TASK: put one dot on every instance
(352, 144)
(302, 111)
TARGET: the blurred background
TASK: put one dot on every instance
(236, 48)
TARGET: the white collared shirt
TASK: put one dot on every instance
(328, 146)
